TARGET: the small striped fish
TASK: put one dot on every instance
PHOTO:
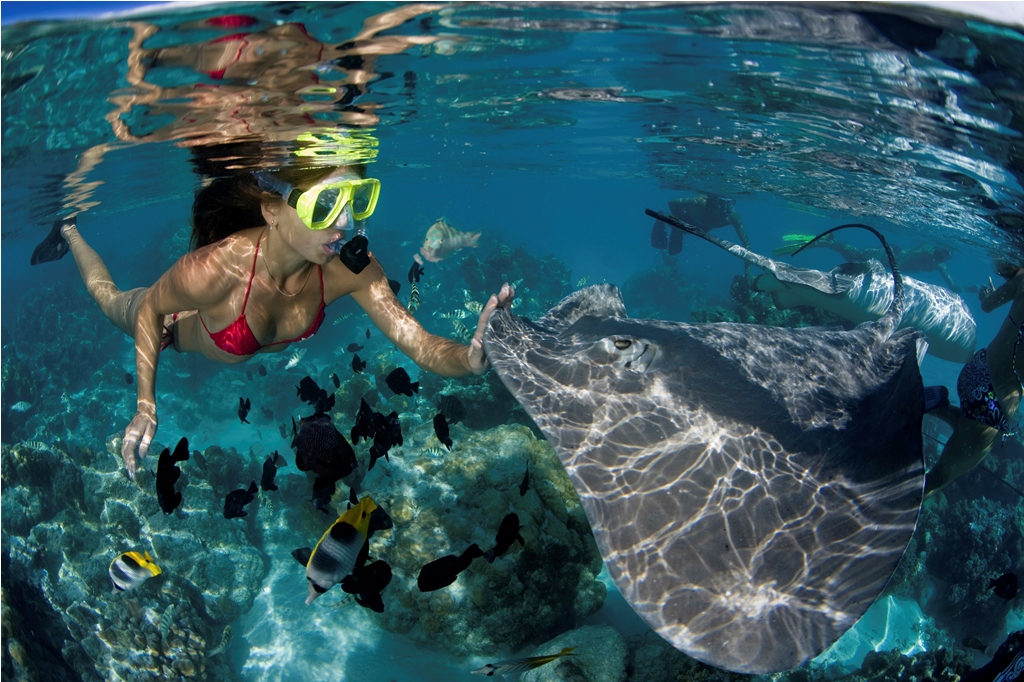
(219, 649)
(521, 665)
(414, 298)
(165, 621)
(461, 331)
(455, 315)
(435, 452)
(583, 280)
(37, 445)
(295, 358)
(475, 307)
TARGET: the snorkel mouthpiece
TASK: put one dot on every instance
(353, 253)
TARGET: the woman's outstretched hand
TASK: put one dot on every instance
(139, 434)
(503, 299)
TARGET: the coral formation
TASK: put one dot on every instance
(442, 504)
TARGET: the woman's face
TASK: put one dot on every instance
(312, 244)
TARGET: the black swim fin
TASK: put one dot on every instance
(53, 247)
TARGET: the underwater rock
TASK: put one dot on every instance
(600, 656)
(652, 659)
(443, 504)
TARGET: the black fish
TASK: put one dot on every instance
(336, 380)
(357, 364)
(394, 429)
(399, 382)
(267, 414)
(128, 378)
(248, 373)
(167, 474)
(395, 285)
(243, 409)
(441, 430)
(376, 452)
(262, 370)
(270, 470)
(975, 642)
(367, 332)
(367, 422)
(525, 485)
(322, 449)
(508, 532)
(354, 348)
(353, 500)
(322, 495)
(379, 520)
(1005, 586)
(452, 408)
(198, 458)
(310, 392)
(414, 272)
(443, 572)
(236, 500)
(367, 582)
(284, 430)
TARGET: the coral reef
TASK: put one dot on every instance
(441, 503)
(212, 568)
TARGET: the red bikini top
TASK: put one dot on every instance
(237, 338)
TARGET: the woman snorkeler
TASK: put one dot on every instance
(269, 254)
(989, 387)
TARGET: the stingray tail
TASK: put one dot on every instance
(735, 249)
(892, 317)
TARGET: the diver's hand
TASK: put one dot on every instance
(139, 433)
(503, 299)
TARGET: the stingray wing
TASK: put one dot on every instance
(751, 488)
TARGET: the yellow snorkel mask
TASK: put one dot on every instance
(319, 206)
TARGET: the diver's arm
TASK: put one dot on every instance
(432, 353)
(197, 281)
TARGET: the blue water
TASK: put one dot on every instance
(548, 129)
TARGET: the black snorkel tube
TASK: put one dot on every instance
(353, 253)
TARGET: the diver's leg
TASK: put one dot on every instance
(120, 307)
(970, 443)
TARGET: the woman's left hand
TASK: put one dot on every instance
(503, 299)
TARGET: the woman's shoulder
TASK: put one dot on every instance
(240, 244)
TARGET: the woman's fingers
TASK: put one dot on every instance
(139, 434)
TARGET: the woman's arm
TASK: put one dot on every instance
(433, 353)
(197, 281)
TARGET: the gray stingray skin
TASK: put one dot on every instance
(751, 488)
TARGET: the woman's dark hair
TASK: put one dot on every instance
(230, 204)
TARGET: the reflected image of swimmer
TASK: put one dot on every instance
(271, 249)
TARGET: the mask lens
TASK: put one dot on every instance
(361, 199)
(325, 203)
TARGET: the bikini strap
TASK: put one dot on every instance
(252, 273)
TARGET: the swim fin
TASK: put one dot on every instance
(54, 247)
(798, 241)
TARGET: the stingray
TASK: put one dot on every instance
(859, 292)
(751, 488)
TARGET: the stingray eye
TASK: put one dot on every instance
(623, 344)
